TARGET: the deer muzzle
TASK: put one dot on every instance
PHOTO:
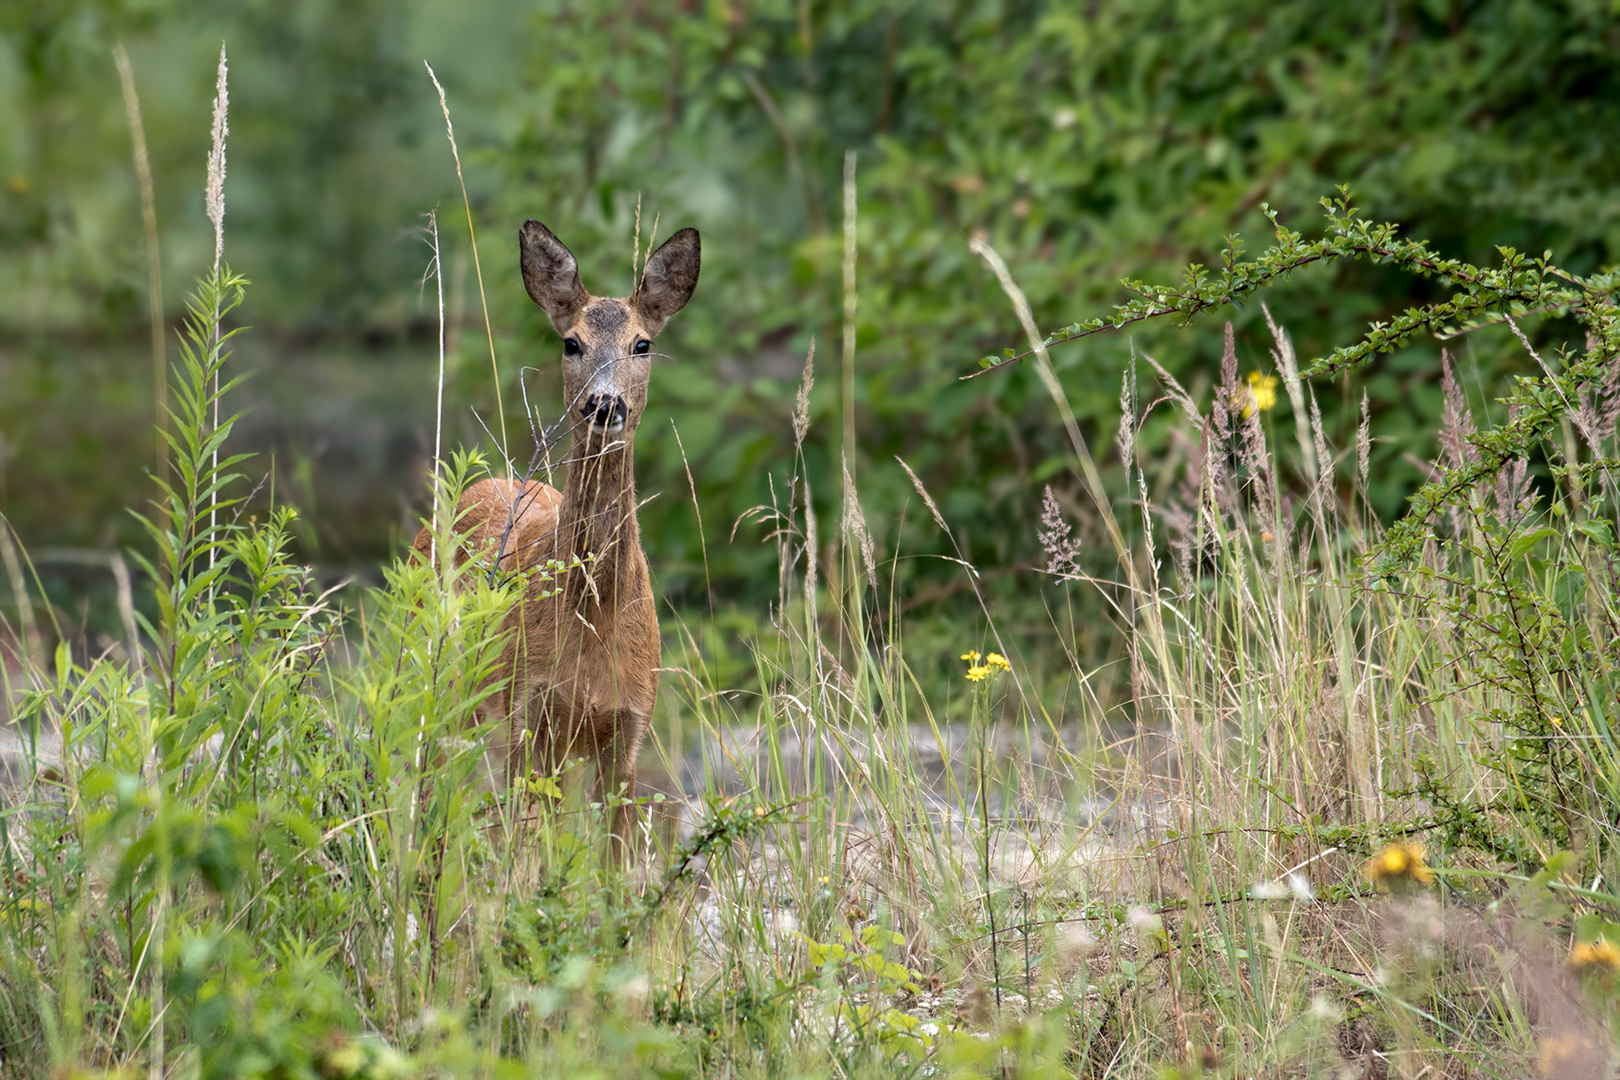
(605, 413)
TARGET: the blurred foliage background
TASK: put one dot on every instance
(1087, 141)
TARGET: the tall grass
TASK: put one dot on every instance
(261, 837)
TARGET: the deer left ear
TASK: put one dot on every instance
(669, 280)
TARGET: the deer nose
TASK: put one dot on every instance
(605, 412)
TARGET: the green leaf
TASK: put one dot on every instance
(1521, 545)
(1599, 532)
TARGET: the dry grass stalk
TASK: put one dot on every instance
(1062, 551)
(928, 500)
(697, 509)
(1228, 393)
(855, 524)
(812, 618)
(1322, 494)
(849, 311)
(32, 657)
(801, 403)
(478, 269)
(1128, 434)
(1456, 418)
(1364, 444)
(437, 270)
(1043, 367)
(1456, 429)
(652, 238)
(1283, 354)
(154, 262)
(635, 244)
(1125, 435)
(126, 605)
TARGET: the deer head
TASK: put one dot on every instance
(607, 343)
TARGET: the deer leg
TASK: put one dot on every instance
(616, 751)
(539, 744)
(501, 743)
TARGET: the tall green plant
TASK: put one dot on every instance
(243, 824)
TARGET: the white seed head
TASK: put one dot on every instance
(1326, 1010)
(1143, 921)
(1299, 886)
(215, 193)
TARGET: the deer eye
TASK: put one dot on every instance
(571, 346)
(642, 346)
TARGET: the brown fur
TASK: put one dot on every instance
(580, 674)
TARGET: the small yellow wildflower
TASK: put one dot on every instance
(1400, 863)
(1261, 393)
(994, 664)
(1595, 954)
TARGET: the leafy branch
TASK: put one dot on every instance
(1521, 285)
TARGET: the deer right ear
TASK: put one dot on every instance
(551, 275)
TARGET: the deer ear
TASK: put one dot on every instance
(668, 282)
(551, 275)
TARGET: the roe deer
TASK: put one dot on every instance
(581, 671)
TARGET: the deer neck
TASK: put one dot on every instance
(598, 513)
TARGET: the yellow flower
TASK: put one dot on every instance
(1595, 954)
(1568, 1053)
(994, 664)
(1261, 393)
(1402, 863)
